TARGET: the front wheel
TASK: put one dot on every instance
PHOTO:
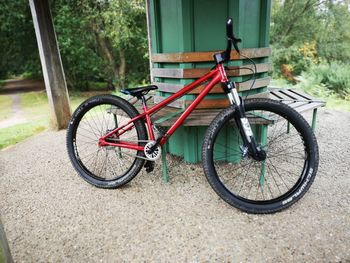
(261, 186)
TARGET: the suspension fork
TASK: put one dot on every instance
(242, 122)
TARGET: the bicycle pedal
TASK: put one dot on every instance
(149, 165)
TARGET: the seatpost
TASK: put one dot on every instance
(143, 101)
(148, 118)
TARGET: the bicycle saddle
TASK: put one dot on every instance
(139, 90)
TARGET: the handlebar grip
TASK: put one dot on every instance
(231, 37)
(229, 28)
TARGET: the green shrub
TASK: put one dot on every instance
(331, 77)
(294, 58)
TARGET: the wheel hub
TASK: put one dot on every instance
(260, 155)
(152, 155)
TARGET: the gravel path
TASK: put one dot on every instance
(17, 116)
(51, 215)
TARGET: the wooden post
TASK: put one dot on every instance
(51, 63)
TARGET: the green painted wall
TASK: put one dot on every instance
(199, 25)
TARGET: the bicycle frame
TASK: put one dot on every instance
(215, 76)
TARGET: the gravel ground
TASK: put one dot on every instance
(51, 215)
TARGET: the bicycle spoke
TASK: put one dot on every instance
(96, 122)
(282, 148)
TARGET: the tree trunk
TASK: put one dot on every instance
(106, 53)
(122, 69)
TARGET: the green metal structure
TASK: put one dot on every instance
(192, 28)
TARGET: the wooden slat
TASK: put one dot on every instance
(184, 57)
(199, 117)
(173, 88)
(176, 104)
(204, 104)
(258, 84)
(177, 73)
(210, 103)
(215, 90)
(301, 94)
(291, 99)
(261, 67)
(167, 87)
(199, 72)
(309, 106)
(276, 95)
(204, 116)
(295, 95)
(296, 99)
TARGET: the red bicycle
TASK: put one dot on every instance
(259, 155)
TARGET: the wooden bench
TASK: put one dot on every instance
(296, 99)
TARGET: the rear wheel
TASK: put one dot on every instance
(106, 167)
(261, 186)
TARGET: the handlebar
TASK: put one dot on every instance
(231, 41)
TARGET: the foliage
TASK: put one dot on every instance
(311, 39)
(294, 21)
(103, 40)
(98, 40)
(290, 59)
(18, 48)
(78, 49)
(333, 42)
(329, 78)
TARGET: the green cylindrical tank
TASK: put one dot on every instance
(184, 34)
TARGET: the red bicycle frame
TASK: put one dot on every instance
(217, 75)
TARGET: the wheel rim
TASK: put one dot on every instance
(103, 163)
(261, 182)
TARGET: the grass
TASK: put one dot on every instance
(5, 107)
(19, 132)
(37, 111)
(35, 104)
(338, 104)
(2, 256)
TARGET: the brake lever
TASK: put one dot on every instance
(236, 47)
(234, 42)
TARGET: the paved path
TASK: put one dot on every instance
(22, 85)
(13, 88)
(51, 215)
(17, 116)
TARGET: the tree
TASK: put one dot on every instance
(18, 48)
(104, 40)
(334, 38)
(119, 31)
(306, 32)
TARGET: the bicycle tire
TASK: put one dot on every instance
(92, 119)
(221, 162)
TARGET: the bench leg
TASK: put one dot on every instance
(314, 118)
(164, 165)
